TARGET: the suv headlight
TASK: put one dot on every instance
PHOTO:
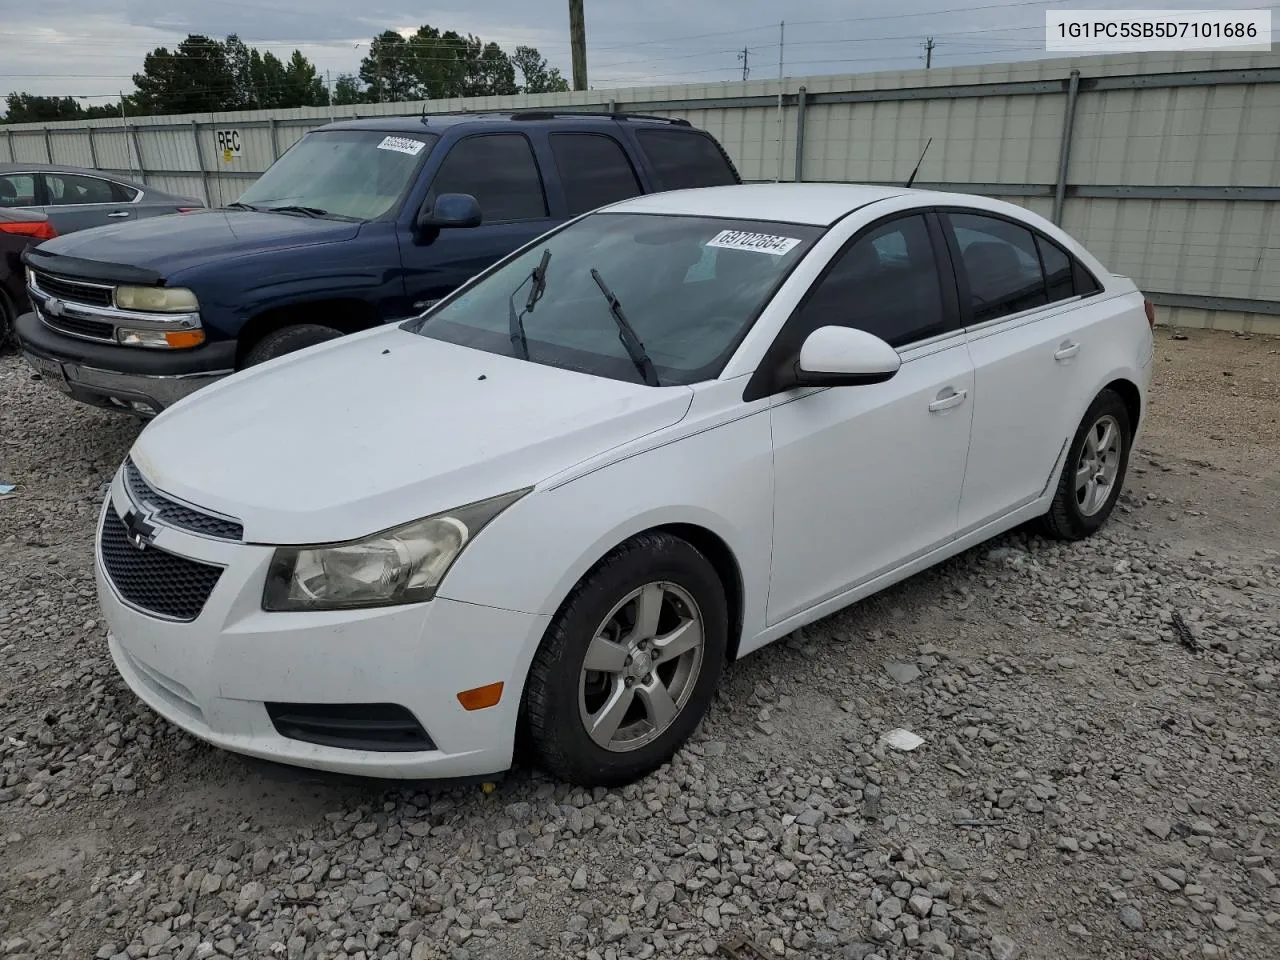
(157, 299)
(401, 565)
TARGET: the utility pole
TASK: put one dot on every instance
(127, 138)
(928, 53)
(578, 42)
(746, 70)
(782, 42)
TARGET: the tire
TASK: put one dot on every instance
(1079, 510)
(562, 696)
(288, 339)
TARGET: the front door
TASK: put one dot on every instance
(500, 171)
(867, 478)
(76, 202)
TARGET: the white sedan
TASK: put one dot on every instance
(554, 507)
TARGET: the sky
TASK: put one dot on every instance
(91, 48)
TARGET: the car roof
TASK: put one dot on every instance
(439, 122)
(819, 204)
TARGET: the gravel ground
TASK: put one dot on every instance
(1098, 777)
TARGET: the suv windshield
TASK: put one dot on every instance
(343, 173)
(689, 288)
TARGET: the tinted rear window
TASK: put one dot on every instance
(685, 158)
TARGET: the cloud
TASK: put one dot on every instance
(93, 47)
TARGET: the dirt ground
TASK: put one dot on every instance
(1100, 773)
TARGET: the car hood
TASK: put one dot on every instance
(166, 245)
(384, 427)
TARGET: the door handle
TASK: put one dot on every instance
(1067, 350)
(119, 213)
(947, 399)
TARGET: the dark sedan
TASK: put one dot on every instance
(75, 199)
(18, 230)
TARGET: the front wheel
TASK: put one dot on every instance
(288, 339)
(1094, 472)
(629, 665)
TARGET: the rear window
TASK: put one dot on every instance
(685, 158)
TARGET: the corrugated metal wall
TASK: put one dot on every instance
(1171, 177)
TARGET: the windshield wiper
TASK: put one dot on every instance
(515, 321)
(306, 211)
(240, 206)
(627, 334)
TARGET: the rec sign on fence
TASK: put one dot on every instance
(228, 142)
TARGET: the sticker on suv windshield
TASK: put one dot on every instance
(402, 145)
(759, 242)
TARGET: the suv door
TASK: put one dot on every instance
(501, 171)
(868, 478)
(76, 202)
(1028, 329)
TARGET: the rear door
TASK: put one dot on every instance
(1032, 331)
(502, 172)
(75, 201)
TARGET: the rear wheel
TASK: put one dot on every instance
(1094, 472)
(629, 666)
(288, 339)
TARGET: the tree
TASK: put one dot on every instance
(491, 74)
(539, 76)
(347, 90)
(197, 77)
(301, 84)
(30, 108)
(389, 69)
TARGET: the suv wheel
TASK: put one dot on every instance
(630, 664)
(288, 339)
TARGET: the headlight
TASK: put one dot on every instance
(157, 299)
(401, 565)
(159, 339)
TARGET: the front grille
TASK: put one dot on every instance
(73, 291)
(93, 329)
(154, 579)
(386, 727)
(175, 514)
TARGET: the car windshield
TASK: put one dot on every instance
(360, 174)
(689, 288)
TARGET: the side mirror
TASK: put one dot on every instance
(451, 210)
(842, 357)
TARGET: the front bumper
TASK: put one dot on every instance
(128, 379)
(213, 675)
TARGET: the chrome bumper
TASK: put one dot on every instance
(143, 395)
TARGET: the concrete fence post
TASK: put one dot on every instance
(93, 150)
(800, 101)
(204, 173)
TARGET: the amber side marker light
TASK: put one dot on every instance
(481, 697)
(184, 338)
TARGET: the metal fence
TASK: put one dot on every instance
(1165, 165)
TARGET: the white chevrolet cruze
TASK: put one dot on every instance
(554, 507)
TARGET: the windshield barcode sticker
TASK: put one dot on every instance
(402, 145)
(759, 242)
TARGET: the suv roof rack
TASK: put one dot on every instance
(557, 114)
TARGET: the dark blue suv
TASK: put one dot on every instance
(361, 222)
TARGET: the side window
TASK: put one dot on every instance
(499, 171)
(685, 158)
(68, 188)
(886, 283)
(1058, 274)
(1002, 264)
(18, 190)
(122, 194)
(594, 170)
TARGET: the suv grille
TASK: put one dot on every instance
(153, 579)
(92, 294)
(176, 514)
(92, 329)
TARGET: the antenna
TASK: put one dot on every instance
(912, 179)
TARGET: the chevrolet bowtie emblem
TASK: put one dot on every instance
(53, 306)
(141, 533)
